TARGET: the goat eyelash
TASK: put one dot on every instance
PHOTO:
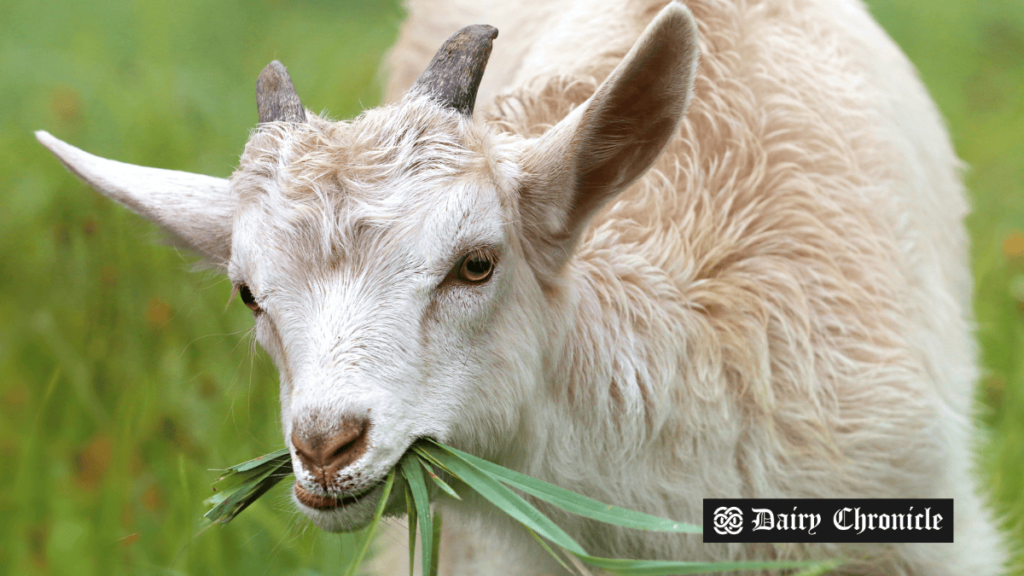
(477, 267)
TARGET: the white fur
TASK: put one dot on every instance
(771, 301)
(195, 209)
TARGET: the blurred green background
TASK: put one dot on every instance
(125, 378)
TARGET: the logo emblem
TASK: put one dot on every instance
(728, 520)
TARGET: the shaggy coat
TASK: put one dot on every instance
(780, 307)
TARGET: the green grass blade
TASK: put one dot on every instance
(229, 501)
(437, 480)
(435, 551)
(427, 457)
(410, 510)
(273, 458)
(261, 489)
(217, 498)
(231, 481)
(549, 550)
(370, 530)
(504, 499)
(414, 476)
(242, 484)
(573, 502)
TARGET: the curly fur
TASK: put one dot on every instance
(781, 306)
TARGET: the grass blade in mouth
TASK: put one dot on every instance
(506, 500)
(547, 548)
(242, 484)
(262, 461)
(411, 515)
(465, 467)
(417, 485)
(435, 550)
(437, 480)
(573, 502)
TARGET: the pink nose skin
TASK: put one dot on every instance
(324, 455)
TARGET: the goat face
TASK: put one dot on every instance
(407, 270)
(379, 260)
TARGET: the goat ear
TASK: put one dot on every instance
(197, 210)
(613, 138)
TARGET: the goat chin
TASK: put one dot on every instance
(347, 517)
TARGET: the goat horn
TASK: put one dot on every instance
(276, 98)
(453, 76)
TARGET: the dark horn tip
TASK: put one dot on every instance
(484, 30)
(453, 76)
(276, 98)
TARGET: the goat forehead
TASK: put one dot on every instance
(402, 182)
(407, 228)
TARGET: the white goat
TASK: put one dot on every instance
(768, 298)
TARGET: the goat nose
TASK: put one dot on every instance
(323, 454)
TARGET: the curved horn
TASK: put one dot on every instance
(453, 76)
(276, 98)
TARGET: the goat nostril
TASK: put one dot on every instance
(305, 452)
(327, 454)
(346, 446)
(340, 451)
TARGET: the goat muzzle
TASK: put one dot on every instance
(325, 455)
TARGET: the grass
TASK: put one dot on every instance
(242, 484)
(124, 378)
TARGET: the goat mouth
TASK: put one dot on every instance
(318, 502)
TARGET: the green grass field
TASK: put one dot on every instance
(124, 377)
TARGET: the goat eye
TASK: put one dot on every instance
(247, 298)
(477, 267)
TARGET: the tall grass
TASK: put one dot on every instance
(124, 377)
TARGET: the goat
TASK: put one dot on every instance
(765, 296)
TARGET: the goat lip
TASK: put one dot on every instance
(318, 502)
